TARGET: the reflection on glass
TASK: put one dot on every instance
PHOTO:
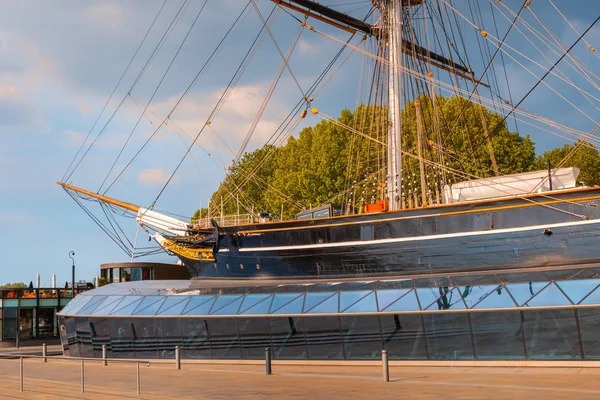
(448, 336)
(196, 343)
(403, 336)
(255, 337)
(551, 334)
(224, 339)
(549, 296)
(323, 338)
(498, 335)
(578, 289)
(385, 297)
(287, 335)
(589, 321)
(362, 337)
(499, 298)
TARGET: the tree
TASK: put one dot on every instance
(330, 162)
(16, 285)
(585, 157)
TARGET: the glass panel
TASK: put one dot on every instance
(251, 300)
(312, 299)
(101, 336)
(173, 305)
(227, 300)
(230, 309)
(448, 336)
(364, 286)
(427, 296)
(147, 301)
(362, 337)
(255, 335)
(196, 301)
(522, 292)
(152, 309)
(223, 334)
(432, 282)
(279, 300)
(323, 338)
(91, 305)
(589, 321)
(127, 301)
(74, 305)
(107, 305)
(127, 310)
(551, 334)
(293, 307)
(578, 289)
(499, 298)
(550, 296)
(326, 287)
(406, 303)
(349, 298)
(366, 304)
(145, 337)
(395, 284)
(592, 298)
(449, 299)
(328, 306)
(403, 336)
(203, 308)
(476, 280)
(474, 294)
(262, 307)
(287, 335)
(168, 332)
(84, 337)
(385, 297)
(195, 338)
(121, 337)
(498, 335)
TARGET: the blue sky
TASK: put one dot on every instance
(59, 62)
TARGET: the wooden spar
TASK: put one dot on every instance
(109, 200)
(353, 25)
(315, 16)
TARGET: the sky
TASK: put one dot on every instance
(61, 60)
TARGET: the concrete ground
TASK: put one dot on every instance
(59, 379)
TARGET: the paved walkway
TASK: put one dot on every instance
(59, 379)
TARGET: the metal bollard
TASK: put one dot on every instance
(104, 355)
(177, 358)
(268, 360)
(82, 376)
(386, 370)
(45, 352)
(20, 374)
(138, 377)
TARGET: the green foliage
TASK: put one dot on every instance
(16, 285)
(328, 162)
(586, 158)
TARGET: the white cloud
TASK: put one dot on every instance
(153, 177)
(105, 14)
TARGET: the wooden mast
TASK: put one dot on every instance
(109, 200)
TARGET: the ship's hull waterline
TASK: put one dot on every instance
(558, 228)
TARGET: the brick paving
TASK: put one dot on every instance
(60, 379)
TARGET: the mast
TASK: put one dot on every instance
(394, 41)
(145, 216)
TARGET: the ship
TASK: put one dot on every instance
(499, 222)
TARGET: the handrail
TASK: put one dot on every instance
(124, 360)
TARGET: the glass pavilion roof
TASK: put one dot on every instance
(542, 288)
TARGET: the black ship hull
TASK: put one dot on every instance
(561, 228)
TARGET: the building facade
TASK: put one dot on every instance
(529, 315)
(31, 313)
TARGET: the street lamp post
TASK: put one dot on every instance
(71, 254)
